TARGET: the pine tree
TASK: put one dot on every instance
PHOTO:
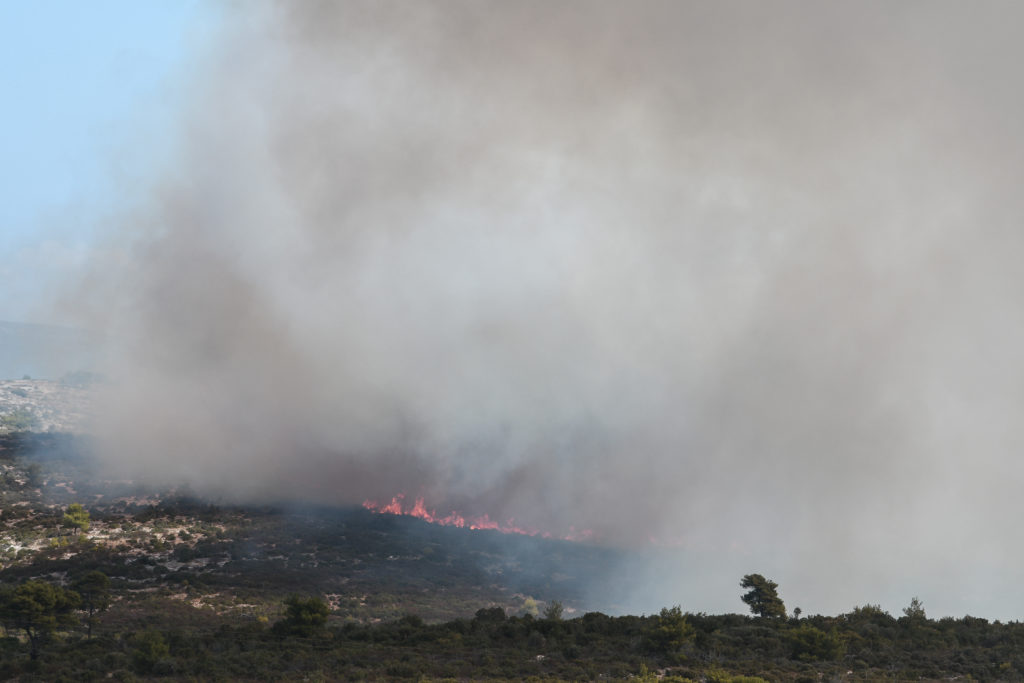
(762, 597)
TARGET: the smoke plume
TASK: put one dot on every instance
(739, 278)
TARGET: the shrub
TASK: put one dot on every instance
(303, 616)
(149, 649)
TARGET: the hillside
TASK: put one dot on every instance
(281, 590)
(376, 566)
(45, 405)
(180, 564)
(195, 590)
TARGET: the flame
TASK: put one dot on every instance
(419, 509)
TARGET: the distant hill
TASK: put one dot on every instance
(46, 351)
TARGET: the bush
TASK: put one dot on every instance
(810, 644)
(149, 649)
(303, 616)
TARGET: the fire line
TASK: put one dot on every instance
(419, 510)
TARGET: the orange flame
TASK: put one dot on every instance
(419, 510)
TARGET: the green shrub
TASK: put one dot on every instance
(149, 648)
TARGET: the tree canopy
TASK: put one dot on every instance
(76, 517)
(762, 596)
(915, 610)
(94, 589)
(303, 616)
(38, 608)
(553, 612)
(670, 631)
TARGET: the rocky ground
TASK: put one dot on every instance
(47, 406)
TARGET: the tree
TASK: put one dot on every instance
(490, 615)
(303, 616)
(553, 612)
(869, 614)
(38, 608)
(670, 631)
(915, 610)
(94, 589)
(762, 597)
(77, 518)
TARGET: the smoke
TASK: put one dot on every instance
(738, 277)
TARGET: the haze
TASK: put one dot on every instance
(741, 278)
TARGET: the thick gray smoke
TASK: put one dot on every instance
(741, 277)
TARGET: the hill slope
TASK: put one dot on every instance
(200, 591)
(374, 566)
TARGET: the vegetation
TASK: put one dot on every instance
(670, 633)
(762, 598)
(310, 641)
(915, 610)
(38, 609)
(20, 420)
(163, 585)
(76, 518)
(303, 616)
(94, 591)
(554, 610)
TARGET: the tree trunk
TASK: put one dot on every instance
(33, 643)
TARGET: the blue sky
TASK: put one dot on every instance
(89, 93)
